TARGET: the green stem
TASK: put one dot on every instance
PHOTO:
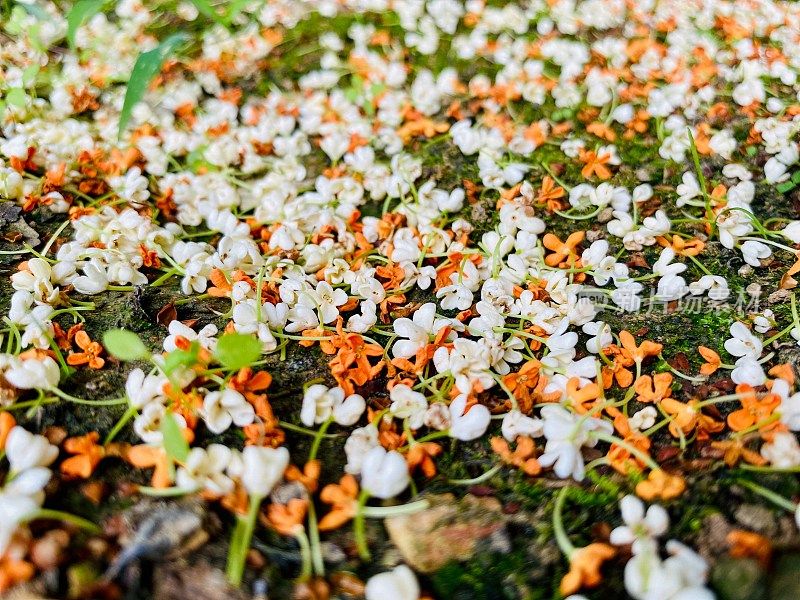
(129, 413)
(358, 526)
(57, 515)
(240, 542)
(316, 545)
(305, 553)
(480, 478)
(381, 512)
(773, 497)
(318, 439)
(562, 539)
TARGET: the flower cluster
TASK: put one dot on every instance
(457, 210)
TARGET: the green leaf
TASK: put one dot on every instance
(796, 177)
(16, 97)
(29, 74)
(124, 345)
(181, 358)
(235, 350)
(81, 11)
(234, 8)
(786, 186)
(174, 442)
(208, 11)
(147, 66)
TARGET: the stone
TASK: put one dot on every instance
(757, 518)
(448, 530)
(739, 579)
(785, 580)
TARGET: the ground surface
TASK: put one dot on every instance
(221, 115)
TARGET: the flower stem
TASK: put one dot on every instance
(612, 439)
(562, 539)
(305, 553)
(240, 542)
(358, 526)
(773, 497)
(480, 478)
(316, 546)
(57, 515)
(381, 512)
(318, 439)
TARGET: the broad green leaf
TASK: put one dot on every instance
(81, 11)
(124, 345)
(208, 11)
(786, 186)
(16, 97)
(235, 350)
(181, 358)
(29, 74)
(147, 66)
(174, 442)
(234, 8)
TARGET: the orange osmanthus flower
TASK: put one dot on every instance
(145, 456)
(342, 498)
(594, 164)
(686, 416)
(584, 567)
(639, 353)
(308, 477)
(87, 455)
(522, 384)
(735, 450)
(747, 544)
(562, 252)
(523, 456)
(582, 399)
(7, 423)
(653, 389)
(618, 369)
(420, 456)
(351, 366)
(660, 485)
(754, 409)
(712, 360)
(90, 354)
(287, 518)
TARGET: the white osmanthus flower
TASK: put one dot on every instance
(205, 337)
(29, 457)
(754, 252)
(398, 584)
(205, 469)
(468, 423)
(321, 403)
(566, 434)
(742, 342)
(384, 474)
(223, 408)
(408, 404)
(37, 279)
(33, 373)
(358, 444)
(415, 333)
(260, 469)
(643, 419)
(783, 451)
(641, 528)
(516, 424)
(715, 286)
